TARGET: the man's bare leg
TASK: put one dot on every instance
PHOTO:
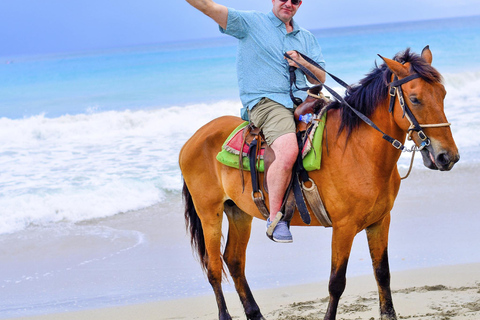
(280, 171)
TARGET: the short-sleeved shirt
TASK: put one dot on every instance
(262, 70)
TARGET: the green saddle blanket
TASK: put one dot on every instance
(312, 152)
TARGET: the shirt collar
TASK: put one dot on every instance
(279, 23)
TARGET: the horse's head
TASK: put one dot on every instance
(422, 114)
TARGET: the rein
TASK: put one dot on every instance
(395, 90)
(394, 142)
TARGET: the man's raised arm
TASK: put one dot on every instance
(214, 10)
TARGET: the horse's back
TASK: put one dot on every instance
(208, 140)
(197, 157)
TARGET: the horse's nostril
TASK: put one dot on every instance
(443, 159)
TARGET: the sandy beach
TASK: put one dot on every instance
(450, 292)
(434, 262)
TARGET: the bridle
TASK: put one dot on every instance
(396, 90)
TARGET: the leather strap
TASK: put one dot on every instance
(257, 194)
(300, 201)
(300, 172)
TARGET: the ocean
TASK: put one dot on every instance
(90, 204)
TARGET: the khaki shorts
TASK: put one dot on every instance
(273, 118)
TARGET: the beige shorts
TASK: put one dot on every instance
(274, 119)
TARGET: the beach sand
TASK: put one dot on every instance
(449, 292)
(433, 251)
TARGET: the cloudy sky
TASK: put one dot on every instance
(54, 26)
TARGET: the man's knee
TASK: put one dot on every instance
(292, 157)
(286, 149)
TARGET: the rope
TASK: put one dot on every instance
(320, 95)
(412, 126)
(411, 163)
(445, 124)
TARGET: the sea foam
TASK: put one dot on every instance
(79, 167)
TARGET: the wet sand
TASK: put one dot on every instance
(450, 292)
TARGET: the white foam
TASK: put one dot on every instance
(75, 168)
(462, 107)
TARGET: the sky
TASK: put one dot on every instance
(30, 27)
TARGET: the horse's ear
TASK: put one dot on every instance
(427, 54)
(399, 69)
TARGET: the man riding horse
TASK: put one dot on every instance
(263, 78)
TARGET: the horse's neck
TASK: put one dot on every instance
(385, 154)
(368, 143)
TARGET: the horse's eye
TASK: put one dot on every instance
(414, 100)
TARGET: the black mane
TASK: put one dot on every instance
(372, 90)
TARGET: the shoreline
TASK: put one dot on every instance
(446, 292)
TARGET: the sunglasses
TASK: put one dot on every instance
(294, 2)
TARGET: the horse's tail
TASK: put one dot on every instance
(194, 225)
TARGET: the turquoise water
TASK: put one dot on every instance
(204, 71)
(351, 51)
(134, 79)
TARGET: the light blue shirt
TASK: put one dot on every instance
(262, 70)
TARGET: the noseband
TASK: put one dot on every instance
(396, 90)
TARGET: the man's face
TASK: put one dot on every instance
(285, 10)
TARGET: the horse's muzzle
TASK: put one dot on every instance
(443, 161)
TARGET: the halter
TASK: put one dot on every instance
(396, 90)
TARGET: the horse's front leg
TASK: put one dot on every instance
(342, 240)
(377, 235)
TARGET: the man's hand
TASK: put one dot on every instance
(298, 58)
(295, 56)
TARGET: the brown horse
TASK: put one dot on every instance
(358, 180)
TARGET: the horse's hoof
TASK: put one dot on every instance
(224, 316)
(256, 317)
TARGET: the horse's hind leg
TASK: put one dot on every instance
(240, 225)
(212, 231)
(377, 235)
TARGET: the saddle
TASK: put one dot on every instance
(296, 193)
